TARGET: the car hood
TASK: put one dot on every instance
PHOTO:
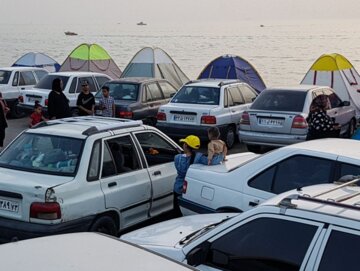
(169, 233)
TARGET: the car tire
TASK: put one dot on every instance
(229, 137)
(351, 128)
(253, 148)
(15, 113)
(104, 224)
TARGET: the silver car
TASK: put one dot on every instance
(278, 116)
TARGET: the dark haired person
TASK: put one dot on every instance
(86, 100)
(37, 116)
(58, 104)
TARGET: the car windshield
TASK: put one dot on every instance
(43, 154)
(197, 95)
(122, 91)
(46, 81)
(4, 77)
(280, 100)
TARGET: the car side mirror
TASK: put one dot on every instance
(345, 103)
(198, 255)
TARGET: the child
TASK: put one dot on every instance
(217, 149)
(107, 103)
(37, 115)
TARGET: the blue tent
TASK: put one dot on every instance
(39, 60)
(233, 67)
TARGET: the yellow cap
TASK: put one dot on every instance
(192, 141)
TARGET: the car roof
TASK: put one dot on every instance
(336, 146)
(82, 127)
(213, 82)
(82, 252)
(77, 73)
(301, 88)
(21, 68)
(136, 80)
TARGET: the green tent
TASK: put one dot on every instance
(92, 58)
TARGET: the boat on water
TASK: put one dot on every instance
(141, 23)
(69, 33)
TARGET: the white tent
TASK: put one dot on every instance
(155, 63)
(335, 71)
(39, 60)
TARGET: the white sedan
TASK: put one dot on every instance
(247, 179)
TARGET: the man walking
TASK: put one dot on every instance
(86, 100)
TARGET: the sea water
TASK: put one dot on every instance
(282, 52)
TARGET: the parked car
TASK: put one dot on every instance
(84, 174)
(72, 88)
(16, 79)
(138, 98)
(82, 252)
(247, 179)
(201, 104)
(278, 116)
(313, 228)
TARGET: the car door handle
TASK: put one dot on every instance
(112, 184)
(254, 203)
(22, 88)
(158, 172)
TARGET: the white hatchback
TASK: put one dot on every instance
(247, 179)
(201, 104)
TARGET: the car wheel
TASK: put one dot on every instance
(351, 129)
(15, 113)
(253, 148)
(104, 224)
(229, 137)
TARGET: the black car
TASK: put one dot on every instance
(138, 98)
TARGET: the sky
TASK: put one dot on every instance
(171, 11)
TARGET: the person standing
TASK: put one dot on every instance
(58, 104)
(86, 100)
(3, 122)
(182, 163)
(107, 103)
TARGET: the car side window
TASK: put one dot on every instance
(248, 94)
(341, 252)
(27, 78)
(298, 171)
(236, 96)
(155, 93)
(124, 154)
(228, 99)
(40, 74)
(167, 89)
(108, 166)
(73, 85)
(15, 81)
(101, 80)
(262, 244)
(348, 169)
(334, 100)
(94, 165)
(264, 180)
(155, 148)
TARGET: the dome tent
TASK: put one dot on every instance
(233, 67)
(91, 58)
(40, 60)
(335, 71)
(155, 63)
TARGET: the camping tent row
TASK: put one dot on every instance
(335, 71)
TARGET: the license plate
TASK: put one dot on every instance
(184, 118)
(271, 122)
(9, 205)
(33, 99)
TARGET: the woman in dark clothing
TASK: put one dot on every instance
(3, 123)
(58, 104)
(320, 123)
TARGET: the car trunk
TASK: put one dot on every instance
(32, 95)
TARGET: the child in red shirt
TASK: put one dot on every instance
(37, 115)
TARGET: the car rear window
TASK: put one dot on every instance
(4, 77)
(122, 91)
(280, 100)
(197, 95)
(46, 81)
(43, 154)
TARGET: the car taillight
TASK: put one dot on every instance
(46, 102)
(161, 116)
(45, 210)
(299, 122)
(126, 114)
(21, 99)
(184, 188)
(245, 119)
(208, 120)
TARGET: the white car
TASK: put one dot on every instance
(84, 174)
(13, 80)
(201, 104)
(247, 179)
(72, 87)
(315, 228)
(82, 252)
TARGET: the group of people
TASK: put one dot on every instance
(58, 103)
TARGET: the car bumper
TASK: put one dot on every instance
(181, 130)
(269, 139)
(19, 230)
(188, 207)
(28, 109)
